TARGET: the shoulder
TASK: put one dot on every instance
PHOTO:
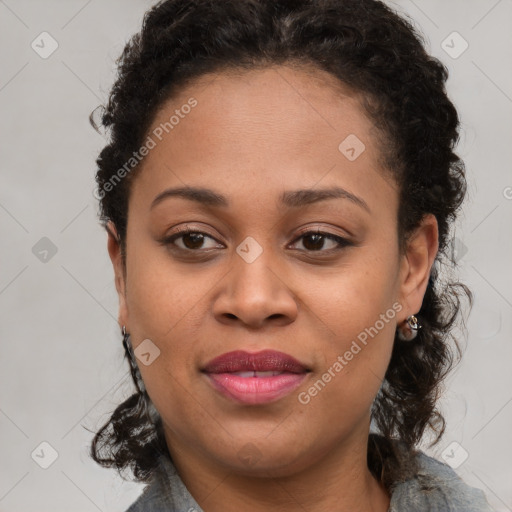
(165, 492)
(149, 500)
(436, 487)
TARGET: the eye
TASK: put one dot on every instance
(191, 240)
(314, 241)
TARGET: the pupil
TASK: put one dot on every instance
(197, 240)
(317, 241)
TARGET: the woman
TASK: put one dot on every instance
(278, 192)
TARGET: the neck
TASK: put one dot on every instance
(340, 481)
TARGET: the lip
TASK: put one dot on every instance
(284, 374)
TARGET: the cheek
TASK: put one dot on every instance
(354, 320)
(166, 306)
(353, 364)
(163, 296)
(350, 298)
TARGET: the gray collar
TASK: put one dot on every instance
(435, 488)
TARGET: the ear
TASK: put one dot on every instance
(416, 265)
(114, 250)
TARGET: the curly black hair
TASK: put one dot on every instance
(379, 54)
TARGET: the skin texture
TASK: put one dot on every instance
(252, 136)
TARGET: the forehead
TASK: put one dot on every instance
(269, 97)
(254, 132)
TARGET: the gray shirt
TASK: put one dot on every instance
(435, 488)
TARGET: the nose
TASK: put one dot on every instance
(255, 293)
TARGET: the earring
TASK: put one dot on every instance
(408, 330)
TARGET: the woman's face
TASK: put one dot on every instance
(283, 153)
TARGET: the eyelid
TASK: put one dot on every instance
(185, 230)
(322, 231)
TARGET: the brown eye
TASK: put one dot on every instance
(190, 240)
(312, 241)
(316, 240)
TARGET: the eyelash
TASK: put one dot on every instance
(342, 242)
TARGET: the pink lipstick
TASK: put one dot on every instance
(255, 378)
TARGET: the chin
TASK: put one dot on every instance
(266, 459)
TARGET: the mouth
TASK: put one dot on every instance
(255, 378)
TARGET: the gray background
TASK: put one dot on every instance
(61, 366)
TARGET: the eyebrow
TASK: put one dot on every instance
(290, 198)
